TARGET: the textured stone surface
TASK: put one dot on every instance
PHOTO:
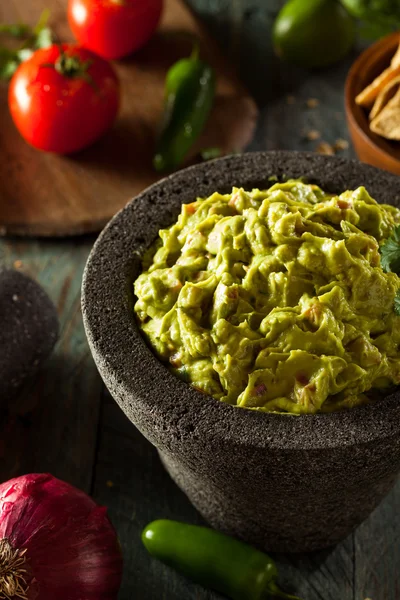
(284, 483)
(28, 330)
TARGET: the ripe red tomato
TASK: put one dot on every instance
(114, 28)
(62, 101)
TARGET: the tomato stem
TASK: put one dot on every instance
(72, 67)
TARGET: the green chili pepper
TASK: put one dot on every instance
(189, 95)
(214, 560)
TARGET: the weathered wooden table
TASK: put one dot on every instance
(68, 425)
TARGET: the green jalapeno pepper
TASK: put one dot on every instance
(189, 95)
(214, 560)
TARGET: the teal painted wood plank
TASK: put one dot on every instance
(53, 425)
(131, 481)
(310, 105)
(325, 575)
(377, 552)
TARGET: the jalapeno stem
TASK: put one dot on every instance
(274, 592)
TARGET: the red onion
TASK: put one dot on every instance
(55, 543)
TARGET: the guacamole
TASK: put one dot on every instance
(275, 299)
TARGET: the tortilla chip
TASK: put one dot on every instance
(388, 92)
(387, 123)
(396, 58)
(368, 96)
(395, 101)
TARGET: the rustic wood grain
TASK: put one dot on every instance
(377, 552)
(132, 482)
(53, 425)
(44, 194)
(56, 429)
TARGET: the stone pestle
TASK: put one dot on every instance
(28, 330)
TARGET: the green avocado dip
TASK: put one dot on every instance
(276, 300)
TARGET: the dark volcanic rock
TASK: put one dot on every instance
(28, 330)
(285, 483)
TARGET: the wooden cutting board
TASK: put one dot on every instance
(44, 194)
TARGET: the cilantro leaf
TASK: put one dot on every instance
(390, 252)
(8, 63)
(17, 30)
(34, 38)
(44, 38)
(397, 303)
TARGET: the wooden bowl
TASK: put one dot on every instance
(370, 147)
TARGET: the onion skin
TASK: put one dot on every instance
(72, 550)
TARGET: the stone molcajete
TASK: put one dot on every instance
(284, 483)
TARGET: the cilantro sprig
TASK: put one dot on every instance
(390, 260)
(32, 38)
(390, 252)
(397, 303)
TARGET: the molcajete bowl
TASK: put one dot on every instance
(281, 482)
